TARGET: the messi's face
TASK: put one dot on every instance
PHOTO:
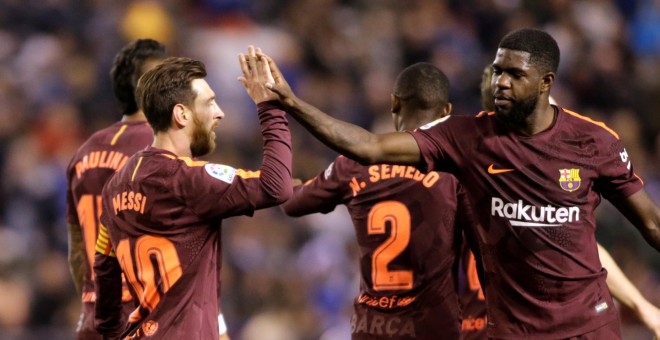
(516, 86)
(206, 117)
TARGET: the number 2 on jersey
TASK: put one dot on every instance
(398, 217)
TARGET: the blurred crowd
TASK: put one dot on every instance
(287, 278)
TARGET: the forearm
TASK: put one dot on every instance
(654, 230)
(108, 288)
(348, 139)
(276, 167)
(644, 214)
(76, 257)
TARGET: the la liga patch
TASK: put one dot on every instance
(222, 172)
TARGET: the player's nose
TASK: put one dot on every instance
(219, 114)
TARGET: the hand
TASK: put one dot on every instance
(650, 316)
(256, 74)
(296, 182)
(278, 84)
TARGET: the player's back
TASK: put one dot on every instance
(405, 223)
(99, 158)
(473, 301)
(167, 252)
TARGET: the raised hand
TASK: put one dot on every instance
(278, 84)
(256, 75)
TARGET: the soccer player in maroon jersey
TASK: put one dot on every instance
(408, 225)
(105, 152)
(473, 304)
(162, 211)
(534, 173)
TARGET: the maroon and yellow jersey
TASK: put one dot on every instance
(163, 215)
(471, 297)
(103, 154)
(405, 223)
(535, 197)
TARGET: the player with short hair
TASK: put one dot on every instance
(408, 225)
(163, 209)
(472, 299)
(105, 152)
(534, 173)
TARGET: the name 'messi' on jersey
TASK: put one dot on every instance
(527, 215)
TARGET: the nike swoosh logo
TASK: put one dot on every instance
(498, 171)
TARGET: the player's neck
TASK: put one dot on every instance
(138, 116)
(175, 142)
(540, 120)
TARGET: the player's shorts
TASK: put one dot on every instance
(608, 331)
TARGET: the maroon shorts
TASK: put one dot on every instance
(608, 331)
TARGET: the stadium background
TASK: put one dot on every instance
(290, 278)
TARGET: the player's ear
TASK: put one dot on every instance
(396, 103)
(546, 82)
(181, 115)
(446, 109)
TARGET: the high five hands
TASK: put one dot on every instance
(262, 79)
(256, 75)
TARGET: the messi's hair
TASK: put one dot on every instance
(542, 47)
(127, 68)
(422, 86)
(166, 85)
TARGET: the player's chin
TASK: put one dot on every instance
(501, 110)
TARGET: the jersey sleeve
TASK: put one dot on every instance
(320, 194)
(441, 145)
(215, 190)
(617, 178)
(108, 288)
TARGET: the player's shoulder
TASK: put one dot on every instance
(582, 125)
(342, 166)
(457, 122)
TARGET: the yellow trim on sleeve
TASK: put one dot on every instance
(245, 174)
(601, 124)
(189, 161)
(103, 245)
(192, 163)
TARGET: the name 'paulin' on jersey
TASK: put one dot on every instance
(222, 172)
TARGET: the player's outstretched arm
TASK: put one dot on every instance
(77, 256)
(644, 214)
(277, 158)
(625, 292)
(346, 138)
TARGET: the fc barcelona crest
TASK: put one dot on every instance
(569, 179)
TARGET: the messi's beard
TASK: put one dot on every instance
(201, 143)
(517, 116)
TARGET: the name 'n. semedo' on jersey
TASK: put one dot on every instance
(385, 171)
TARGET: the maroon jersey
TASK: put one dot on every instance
(405, 222)
(471, 297)
(103, 154)
(535, 197)
(163, 214)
